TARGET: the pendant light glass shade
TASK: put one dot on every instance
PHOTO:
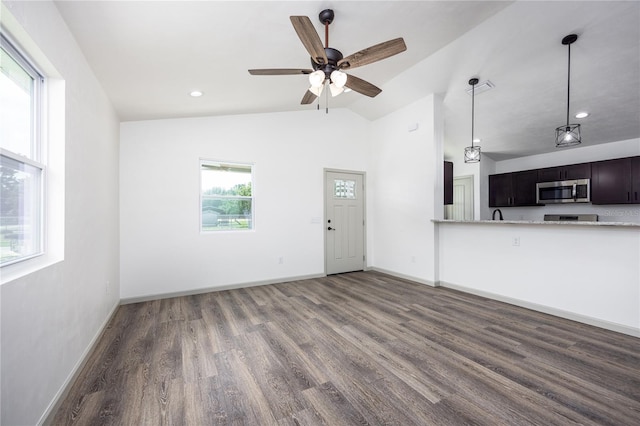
(568, 134)
(472, 153)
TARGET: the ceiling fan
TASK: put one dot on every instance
(328, 63)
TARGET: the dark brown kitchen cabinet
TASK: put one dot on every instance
(635, 179)
(513, 189)
(448, 182)
(573, 171)
(616, 181)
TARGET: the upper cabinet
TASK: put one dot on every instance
(513, 189)
(573, 171)
(616, 181)
(612, 182)
(635, 179)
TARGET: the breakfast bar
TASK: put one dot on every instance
(586, 271)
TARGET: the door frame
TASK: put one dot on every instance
(364, 212)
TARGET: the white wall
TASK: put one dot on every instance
(610, 213)
(50, 317)
(405, 169)
(162, 249)
(588, 273)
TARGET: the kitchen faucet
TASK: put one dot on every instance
(493, 216)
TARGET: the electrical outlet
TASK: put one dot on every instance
(516, 241)
(280, 260)
(413, 259)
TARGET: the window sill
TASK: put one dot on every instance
(18, 270)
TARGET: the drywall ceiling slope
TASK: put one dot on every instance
(149, 55)
(520, 51)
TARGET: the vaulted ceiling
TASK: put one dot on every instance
(149, 55)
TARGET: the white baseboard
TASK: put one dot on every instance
(403, 276)
(157, 296)
(620, 328)
(54, 405)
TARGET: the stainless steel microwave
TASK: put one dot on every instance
(566, 191)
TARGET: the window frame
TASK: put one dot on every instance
(37, 148)
(202, 197)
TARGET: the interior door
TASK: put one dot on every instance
(462, 207)
(344, 222)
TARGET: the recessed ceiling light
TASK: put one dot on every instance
(476, 140)
(196, 93)
(582, 115)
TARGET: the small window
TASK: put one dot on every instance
(21, 167)
(344, 189)
(226, 196)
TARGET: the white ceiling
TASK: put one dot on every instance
(148, 56)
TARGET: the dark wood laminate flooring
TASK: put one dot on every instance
(354, 349)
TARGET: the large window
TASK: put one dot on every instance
(226, 196)
(21, 164)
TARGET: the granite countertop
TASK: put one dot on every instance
(538, 222)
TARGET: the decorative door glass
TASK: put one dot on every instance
(344, 189)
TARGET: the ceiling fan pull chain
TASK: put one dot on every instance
(326, 95)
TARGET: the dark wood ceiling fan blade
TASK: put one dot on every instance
(279, 71)
(361, 86)
(309, 38)
(373, 54)
(308, 98)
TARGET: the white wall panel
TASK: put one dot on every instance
(163, 250)
(404, 169)
(586, 272)
(50, 317)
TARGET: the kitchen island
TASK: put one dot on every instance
(585, 271)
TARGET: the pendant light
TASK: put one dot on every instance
(568, 134)
(472, 153)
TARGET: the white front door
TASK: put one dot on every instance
(344, 222)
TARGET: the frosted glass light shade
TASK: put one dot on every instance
(339, 78)
(335, 90)
(316, 90)
(316, 78)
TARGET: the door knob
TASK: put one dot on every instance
(330, 229)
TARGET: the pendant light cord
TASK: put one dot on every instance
(568, 81)
(473, 96)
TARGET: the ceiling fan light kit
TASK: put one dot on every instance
(472, 153)
(327, 63)
(568, 134)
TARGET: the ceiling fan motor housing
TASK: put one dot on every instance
(333, 56)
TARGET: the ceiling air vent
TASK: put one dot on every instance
(482, 87)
